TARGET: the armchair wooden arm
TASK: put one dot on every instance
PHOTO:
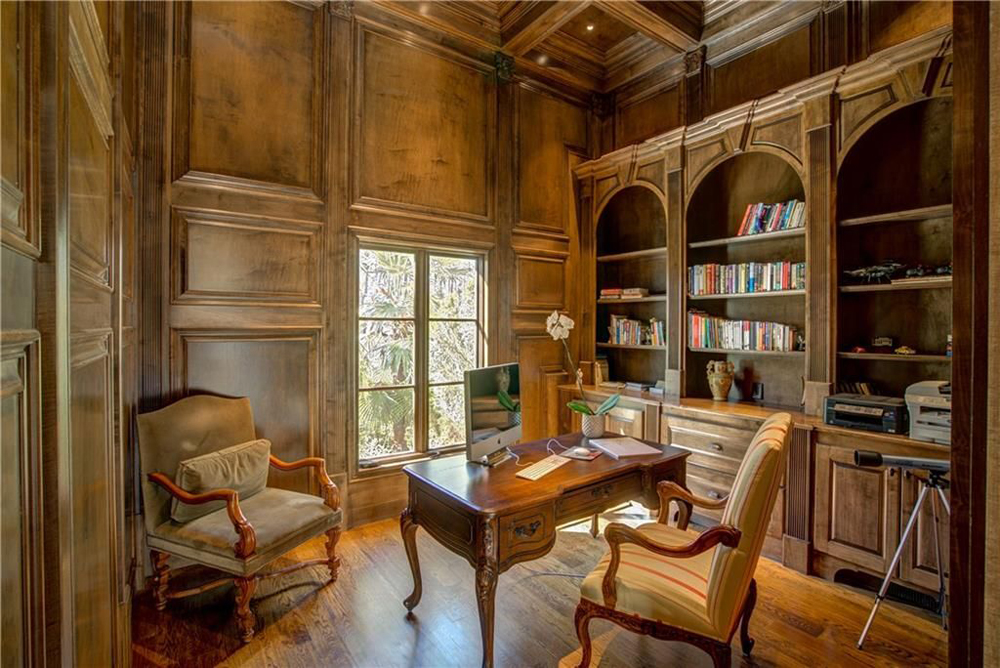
(247, 544)
(669, 490)
(328, 489)
(617, 533)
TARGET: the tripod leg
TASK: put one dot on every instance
(892, 565)
(942, 591)
(944, 500)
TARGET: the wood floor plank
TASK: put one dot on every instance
(360, 620)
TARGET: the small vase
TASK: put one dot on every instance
(720, 379)
(592, 425)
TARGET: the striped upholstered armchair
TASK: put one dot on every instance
(665, 582)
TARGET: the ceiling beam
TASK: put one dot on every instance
(543, 19)
(669, 23)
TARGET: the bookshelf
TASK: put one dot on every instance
(631, 252)
(894, 203)
(714, 214)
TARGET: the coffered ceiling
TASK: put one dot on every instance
(595, 45)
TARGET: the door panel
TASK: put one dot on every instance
(857, 509)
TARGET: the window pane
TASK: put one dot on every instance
(386, 282)
(385, 353)
(447, 415)
(385, 423)
(453, 287)
(452, 350)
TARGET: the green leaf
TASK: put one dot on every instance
(579, 407)
(608, 404)
(505, 400)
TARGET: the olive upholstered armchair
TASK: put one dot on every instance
(665, 582)
(211, 444)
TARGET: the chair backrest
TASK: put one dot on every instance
(748, 509)
(187, 428)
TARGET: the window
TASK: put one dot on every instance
(420, 326)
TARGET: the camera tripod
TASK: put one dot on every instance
(937, 482)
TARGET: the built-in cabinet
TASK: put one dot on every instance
(827, 141)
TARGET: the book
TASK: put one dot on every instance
(763, 218)
(616, 448)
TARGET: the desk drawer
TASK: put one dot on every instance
(598, 497)
(525, 533)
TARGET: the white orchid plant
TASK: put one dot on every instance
(558, 326)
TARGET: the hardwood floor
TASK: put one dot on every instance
(360, 620)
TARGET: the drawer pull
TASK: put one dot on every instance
(527, 531)
(601, 491)
(717, 447)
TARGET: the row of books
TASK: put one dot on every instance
(762, 218)
(708, 331)
(626, 331)
(734, 279)
(624, 293)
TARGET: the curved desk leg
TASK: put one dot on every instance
(486, 589)
(409, 530)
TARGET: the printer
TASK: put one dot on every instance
(866, 411)
(929, 404)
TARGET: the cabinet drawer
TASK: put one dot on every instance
(625, 421)
(525, 533)
(710, 484)
(713, 445)
(598, 497)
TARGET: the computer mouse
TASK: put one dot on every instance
(580, 452)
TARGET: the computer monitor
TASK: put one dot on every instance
(489, 426)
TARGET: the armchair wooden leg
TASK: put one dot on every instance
(582, 619)
(161, 575)
(745, 640)
(332, 560)
(245, 619)
(722, 655)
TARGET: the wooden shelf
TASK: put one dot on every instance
(919, 284)
(745, 295)
(748, 238)
(648, 252)
(727, 351)
(892, 357)
(624, 346)
(924, 213)
(650, 298)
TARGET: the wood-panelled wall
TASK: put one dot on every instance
(294, 131)
(69, 339)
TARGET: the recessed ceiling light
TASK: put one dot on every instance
(542, 59)
(590, 26)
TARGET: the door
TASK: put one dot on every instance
(856, 510)
(918, 564)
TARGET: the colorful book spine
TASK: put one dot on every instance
(707, 331)
(748, 277)
(763, 218)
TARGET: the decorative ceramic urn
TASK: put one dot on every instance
(592, 425)
(720, 378)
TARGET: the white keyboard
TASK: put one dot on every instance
(547, 465)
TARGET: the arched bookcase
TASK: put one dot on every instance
(713, 216)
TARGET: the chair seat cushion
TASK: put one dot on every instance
(281, 519)
(656, 587)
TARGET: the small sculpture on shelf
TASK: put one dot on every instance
(720, 378)
(905, 350)
(878, 273)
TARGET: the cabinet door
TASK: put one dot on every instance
(918, 564)
(857, 510)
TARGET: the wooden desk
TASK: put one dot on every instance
(496, 520)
